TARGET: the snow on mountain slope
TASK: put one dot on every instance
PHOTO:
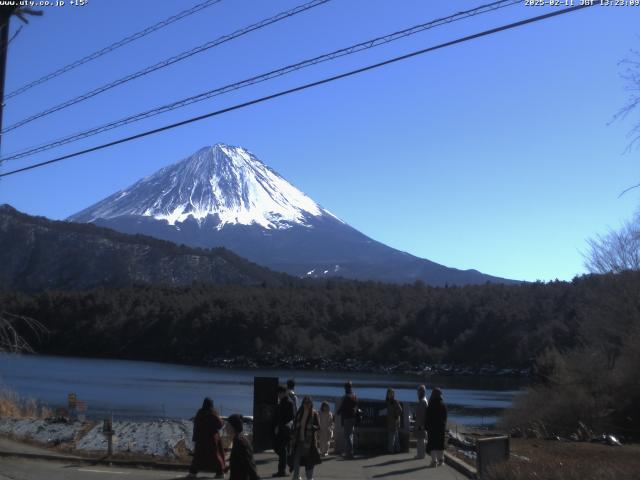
(222, 181)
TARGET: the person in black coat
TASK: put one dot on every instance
(347, 411)
(241, 463)
(208, 453)
(283, 427)
(436, 424)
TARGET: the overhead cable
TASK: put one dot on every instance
(262, 78)
(165, 63)
(112, 47)
(304, 87)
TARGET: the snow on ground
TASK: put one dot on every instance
(40, 430)
(163, 438)
(160, 438)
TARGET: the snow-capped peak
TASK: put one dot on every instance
(224, 181)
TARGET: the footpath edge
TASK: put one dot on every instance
(460, 466)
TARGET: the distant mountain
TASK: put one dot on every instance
(39, 254)
(225, 196)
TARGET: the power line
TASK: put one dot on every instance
(263, 77)
(304, 87)
(113, 46)
(13, 37)
(169, 61)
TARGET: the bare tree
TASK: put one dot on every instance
(616, 251)
(12, 330)
(631, 74)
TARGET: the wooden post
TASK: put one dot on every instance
(107, 430)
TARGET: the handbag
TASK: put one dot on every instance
(359, 414)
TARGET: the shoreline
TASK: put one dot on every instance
(366, 366)
(326, 365)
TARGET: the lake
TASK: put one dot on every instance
(142, 390)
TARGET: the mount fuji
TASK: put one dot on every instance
(225, 196)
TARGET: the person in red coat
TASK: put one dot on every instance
(208, 453)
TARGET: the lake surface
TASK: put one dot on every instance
(138, 390)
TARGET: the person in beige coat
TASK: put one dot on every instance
(326, 428)
(394, 414)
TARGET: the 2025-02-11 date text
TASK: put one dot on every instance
(573, 3)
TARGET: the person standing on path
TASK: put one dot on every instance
(241, 462)
(347, 411)
(326, 428)
(305, 444)
(208, 454)
(420, 419)
(283, 428)
(394, 413)
(436, 426)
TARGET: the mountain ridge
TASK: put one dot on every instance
(225, 196)
(40, 254)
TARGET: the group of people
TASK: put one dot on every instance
(208, 452)
(430, 421)
(430, 425)
(302, 435)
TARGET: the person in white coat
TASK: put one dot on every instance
(419, 430)
(326, 428)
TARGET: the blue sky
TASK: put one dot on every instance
(496, 154)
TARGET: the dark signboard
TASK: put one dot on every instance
(265, 401)
(370, 434)
(374, 414)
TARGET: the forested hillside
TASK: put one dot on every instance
(473, 325)
(39, 254)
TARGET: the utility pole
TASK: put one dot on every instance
(5, 16)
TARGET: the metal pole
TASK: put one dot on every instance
(4, 47)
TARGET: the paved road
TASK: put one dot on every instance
(7, 445)
(401, 467)
(12, 468)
